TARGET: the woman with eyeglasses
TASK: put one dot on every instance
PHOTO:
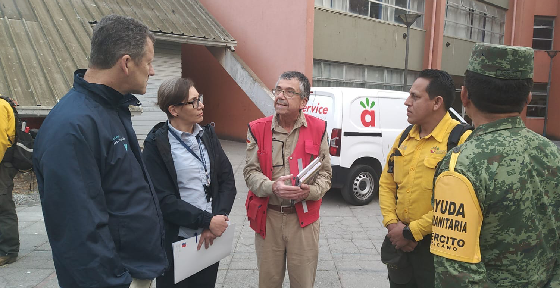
(191, 174)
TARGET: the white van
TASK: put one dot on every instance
(362, 125)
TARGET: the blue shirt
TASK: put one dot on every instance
(191, 175)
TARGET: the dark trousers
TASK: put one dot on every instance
(205, 278)
(422, 263)
(9, 235)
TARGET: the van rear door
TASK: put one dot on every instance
(321, 105)
(393, 119)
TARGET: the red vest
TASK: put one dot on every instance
(307, 147)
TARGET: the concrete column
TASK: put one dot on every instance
(434, 34)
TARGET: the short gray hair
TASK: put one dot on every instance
(115, 36)
(304, 86)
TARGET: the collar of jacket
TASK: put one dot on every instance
(159, 134)
(501, 124)
(440, 131)
(106, 94)
(300, 121)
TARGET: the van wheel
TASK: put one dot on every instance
(362, 186)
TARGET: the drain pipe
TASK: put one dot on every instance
(433, 29)
(513, 21)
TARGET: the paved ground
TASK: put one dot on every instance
(350, 242)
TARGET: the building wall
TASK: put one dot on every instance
(434, 21)
(272, 36)
(455, 57)
(350, 38)
(547, 8)
(225, 103)
(553, 125)
(522, 27)
(522, 24)
(499, 3)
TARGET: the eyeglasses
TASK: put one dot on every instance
(287, 93)
(195, 103)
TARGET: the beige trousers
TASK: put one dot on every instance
(141, 283)
(287, 243)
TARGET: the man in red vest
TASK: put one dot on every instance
(284, 214)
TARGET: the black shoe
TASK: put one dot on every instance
(8, 259)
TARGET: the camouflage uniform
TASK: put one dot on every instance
(514, 173)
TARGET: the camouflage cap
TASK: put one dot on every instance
(500, 61)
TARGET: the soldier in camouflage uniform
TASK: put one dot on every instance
(497, 197)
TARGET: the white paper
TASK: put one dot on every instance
(189, 261)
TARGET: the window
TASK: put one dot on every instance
(543, 30)
(333, 74)
(387, 10)
(537, 107)
(473, 20)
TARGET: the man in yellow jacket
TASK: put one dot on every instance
(9, 235)
(405, 186)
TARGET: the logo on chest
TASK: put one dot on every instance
(436, 150)
(117, 139)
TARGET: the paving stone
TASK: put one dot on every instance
(241, 278)
(349, 244)
(37, 228)
(18, 277)
(360, 279)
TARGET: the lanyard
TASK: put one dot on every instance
(201, 158)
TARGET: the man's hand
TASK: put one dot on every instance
(207, 238)
(305, 192)
(289, 192)
(396, 235)
(218, 225)
(391, 226)
(410, 246)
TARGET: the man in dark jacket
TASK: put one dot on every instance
(101, 212)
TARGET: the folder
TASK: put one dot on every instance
(188, 261)
(306, 174)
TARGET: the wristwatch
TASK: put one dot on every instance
(407, 234)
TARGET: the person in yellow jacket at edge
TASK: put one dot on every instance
(9, 235)
(405, 186)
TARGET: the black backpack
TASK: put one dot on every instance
(452, 141)
(20, 154)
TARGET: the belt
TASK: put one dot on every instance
(283, 209)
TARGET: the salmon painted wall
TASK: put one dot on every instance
(272, 36)
(524, 20)
(553, 125)
(546, 7)
(224, 101)
(525, 11)
(437, 23)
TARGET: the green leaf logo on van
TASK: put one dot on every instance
(368, 116)
(367, 104)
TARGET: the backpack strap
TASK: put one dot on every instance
(404, 135)
(456, 133)
(391, 163)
